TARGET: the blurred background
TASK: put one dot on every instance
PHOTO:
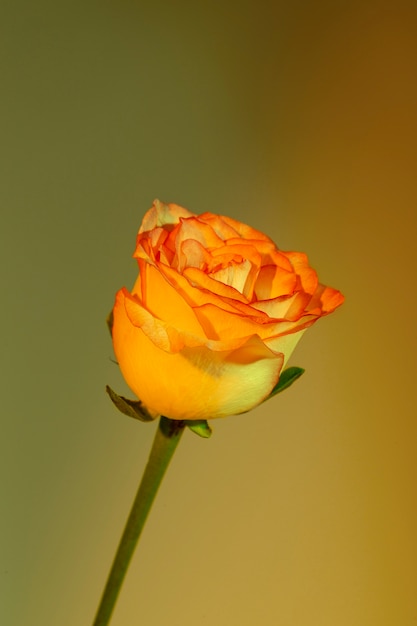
(299, 119)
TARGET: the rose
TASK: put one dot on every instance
(214, 315)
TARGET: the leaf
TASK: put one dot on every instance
(109, 322)
(200, 428)
(287, 378)
(132, 408)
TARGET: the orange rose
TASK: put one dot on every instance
(214, 315)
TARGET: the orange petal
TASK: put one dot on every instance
(195, 296)
(152, 245)
(285, 307)
(327, 299)
(195, 228)
(194, 383)
(307, 276)
(269, 253)
(219, 324)
(273, 282)
(167, 337)
(232, 228)
(163, 301)
(201, 280)
(220, 225)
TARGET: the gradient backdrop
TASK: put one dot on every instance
(298, 118)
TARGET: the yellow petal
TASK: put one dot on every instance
(195, 382)
(285, 344)
(161, 214)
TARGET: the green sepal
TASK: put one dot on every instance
(132, 408)
(109, 322)
(286, 379)
(199, 427)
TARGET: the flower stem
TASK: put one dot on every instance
(166, 440)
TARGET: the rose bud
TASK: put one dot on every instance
(214, 315)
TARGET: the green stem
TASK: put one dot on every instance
(166, 440)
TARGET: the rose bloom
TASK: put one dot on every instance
(214, 315)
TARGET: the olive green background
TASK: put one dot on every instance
(299, 119)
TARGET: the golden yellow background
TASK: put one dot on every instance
(298, 118)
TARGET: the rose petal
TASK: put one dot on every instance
(240, 267)
(307, 276)
(236, 275)
(285, 307)
(327, 299)
(200, 279)
(219, 324)
(161, 214)
(169, 338)
(273, 282)
(195, 296)
(150, 245)
(220, 225)
(232, 227)
(193, 254)
(285, 343)
(269, 253)
(202, 383)
(163, 301)
(195, 229)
